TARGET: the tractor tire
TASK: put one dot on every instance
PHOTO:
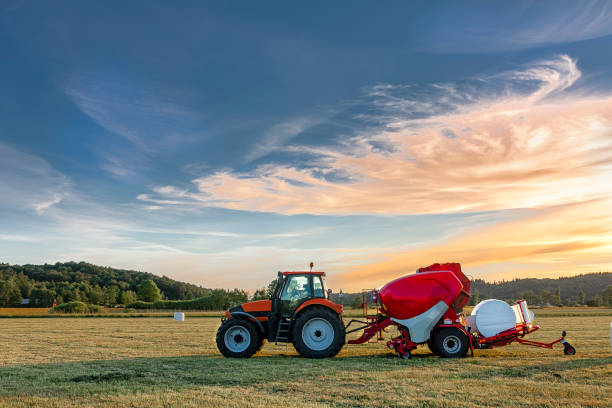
(260, 344)
(318, 333)
(238, 338)
(451, 343)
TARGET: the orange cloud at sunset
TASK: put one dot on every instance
(516, 149)
(561, 240)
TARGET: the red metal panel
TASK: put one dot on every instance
(304, 272)
(412, 295)
(323, 302)
(464, 297)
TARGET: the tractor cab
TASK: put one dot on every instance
(293, 289)
(298, 311)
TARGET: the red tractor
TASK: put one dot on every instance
(297, 312)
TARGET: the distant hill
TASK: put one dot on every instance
(83, 281)
(592, 284)
(596, 287)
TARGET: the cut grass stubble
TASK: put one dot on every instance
(158, 362)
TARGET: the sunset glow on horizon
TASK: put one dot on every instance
(367, 154)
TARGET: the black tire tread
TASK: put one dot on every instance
(256, 338)
(330, 316)
(442, 334)
(432, 346)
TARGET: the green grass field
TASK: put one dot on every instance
(152, 362)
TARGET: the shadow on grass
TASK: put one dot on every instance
(85, 378)
(142, 374)
(557, 369)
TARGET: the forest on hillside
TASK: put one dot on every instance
(97, 285)
(593, 289)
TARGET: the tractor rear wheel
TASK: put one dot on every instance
(451, 343)
(238, 338)
(318, 333)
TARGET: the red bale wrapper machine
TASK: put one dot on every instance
(426, 309)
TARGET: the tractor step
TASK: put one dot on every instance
(282, 333)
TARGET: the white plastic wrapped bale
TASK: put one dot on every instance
(491, 317)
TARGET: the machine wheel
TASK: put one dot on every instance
(318, 333)
(451, 343)
(568, 349)
(432, 346)
(405, 356)
(238, 338)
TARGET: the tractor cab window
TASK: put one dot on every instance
(319, 289)
(296, 288)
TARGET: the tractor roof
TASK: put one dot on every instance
(304, 272)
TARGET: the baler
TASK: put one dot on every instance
(426, 308)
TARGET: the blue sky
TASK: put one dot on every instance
(218, 143)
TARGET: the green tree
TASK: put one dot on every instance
(127, 296)
(148, 291)
(475, 298)
(545, 297)
(596, 301)
(581, 296)
(531, 297)
(270, 288)
(96, 295)
(9, 293)
(260, 294)
(606, 296)
(41, 296)
(111, 295)
(557, 296)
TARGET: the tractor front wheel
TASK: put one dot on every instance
(238, 338)
(318, 333)
(451, 343)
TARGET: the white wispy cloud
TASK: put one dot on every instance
(18, 238)
(529, 25)
(29, 182)
(278, 135)
(116, 166)
(135, 111)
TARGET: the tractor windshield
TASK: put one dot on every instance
(296, 287)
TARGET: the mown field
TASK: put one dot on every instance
(154, 362)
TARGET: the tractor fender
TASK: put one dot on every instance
(319, 302)
(239, 315)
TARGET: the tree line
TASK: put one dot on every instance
(98, 285)
(104, 286)
(594, 289)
